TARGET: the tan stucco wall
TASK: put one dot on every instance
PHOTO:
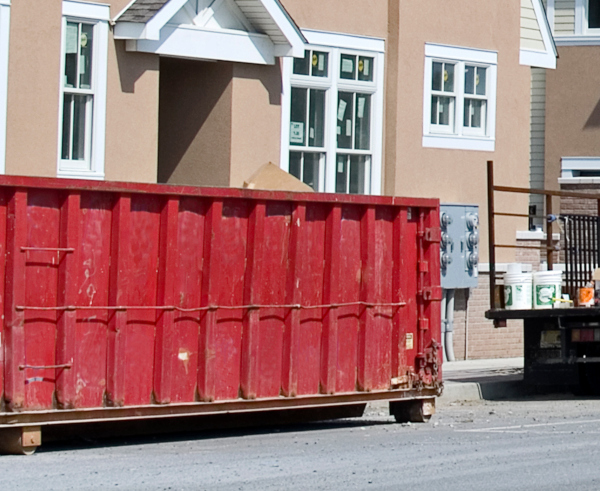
(131, 115)
(460, 175)
(34, 67)
(34, 102)
(572, 108)
(195, 122)
(347, 16)
(255, 119)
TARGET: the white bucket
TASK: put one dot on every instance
(546, 286)
(517, 291)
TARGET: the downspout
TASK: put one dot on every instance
(444, 315)
(449, 335)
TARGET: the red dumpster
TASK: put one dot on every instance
(145, 301)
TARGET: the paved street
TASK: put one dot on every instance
(541, 443)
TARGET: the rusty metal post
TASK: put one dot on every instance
(549, 245)
(491, 238)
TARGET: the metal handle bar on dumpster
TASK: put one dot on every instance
(66, 366)
(209, 307)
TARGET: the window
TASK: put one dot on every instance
(593, 14)
(460, 98)
(332, 112)
(581, 30)
(83, 90)
(579, 169)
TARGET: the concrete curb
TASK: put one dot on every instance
(493, 391)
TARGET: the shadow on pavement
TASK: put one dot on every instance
(205, 427)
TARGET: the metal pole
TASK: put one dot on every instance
(549, 248)
(491, 238)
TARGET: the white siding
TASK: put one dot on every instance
(531, 37)
(564, 17)
(538, 137)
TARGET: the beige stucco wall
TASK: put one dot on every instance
(460, 175)
(131, 115)
(348, 16)
(195, 122)
(32, 144)
(34, 66)
(572, 108)
(255, 119)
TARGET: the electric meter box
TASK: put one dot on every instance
(459, 246)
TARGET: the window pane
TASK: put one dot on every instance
(448, 77)
(594, 14)
(365, 68)
(319, 64)
(295, 164)
(316, 130)
(71, 50)
(362, 122)
(348, 67)
(436, 78)
(474, 113)
(301, 64)
(80, 105)
(311, 170)
(442, 107)
(341, 174)
(344, 116)
(85, 59)
(434, 109)
(469, 79)
(298, 117)
(66, 127)
(480, 82)
(357, 174)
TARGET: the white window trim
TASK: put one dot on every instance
(4, 41)
(582, 36)
(571, 166)
(98, 14)
(336, 44)
(460, 140)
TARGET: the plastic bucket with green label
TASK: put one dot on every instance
(547, 286)
(517, 291)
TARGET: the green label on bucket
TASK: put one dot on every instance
(508, 299)
(544, 294)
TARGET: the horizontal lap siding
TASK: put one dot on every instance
(531, 37)
(564, 17)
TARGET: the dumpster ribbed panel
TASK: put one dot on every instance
(130, 295)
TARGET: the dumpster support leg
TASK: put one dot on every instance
(23, 440)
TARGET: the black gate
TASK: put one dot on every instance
(581, 250)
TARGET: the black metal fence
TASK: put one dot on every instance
(581, 251)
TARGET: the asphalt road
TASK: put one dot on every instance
(550, 444)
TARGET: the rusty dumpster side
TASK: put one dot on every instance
(141, 301)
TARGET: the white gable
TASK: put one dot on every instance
(219, 14)
(537, 44)
(248, 31)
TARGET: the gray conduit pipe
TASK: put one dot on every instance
(443, 333)
(449, 335)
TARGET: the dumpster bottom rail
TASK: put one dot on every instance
(106, 414)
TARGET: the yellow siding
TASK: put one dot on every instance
(564, 17)
(531, 37)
